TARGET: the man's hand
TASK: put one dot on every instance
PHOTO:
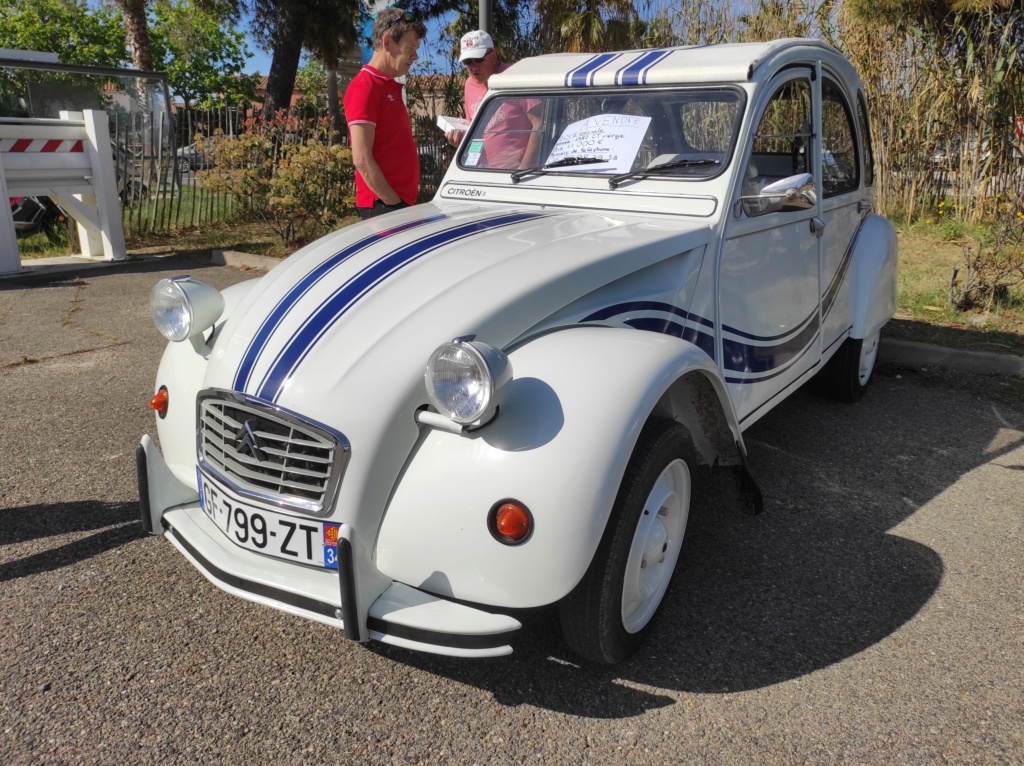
(455, 136)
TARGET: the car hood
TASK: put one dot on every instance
(341, 331)
(390, 292)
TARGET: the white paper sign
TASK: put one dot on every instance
(446, 123)
(614, 138)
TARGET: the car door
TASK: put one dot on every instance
(842, 210)
(769, 276)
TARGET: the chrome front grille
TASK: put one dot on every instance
(268, 453)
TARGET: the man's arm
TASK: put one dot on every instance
(362, 158)
(532, 153)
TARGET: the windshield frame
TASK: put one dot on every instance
(487, 107)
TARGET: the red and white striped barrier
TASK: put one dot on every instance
(30, 145)
(70, 161)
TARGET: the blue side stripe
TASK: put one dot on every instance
(635, 72)
(800, 327)
(774, 374)
(668, 308)
(704, 341)
(583, 74)
(833, 289)
(334, 307)
(304, 285)
(744, 357)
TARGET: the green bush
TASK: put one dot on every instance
(284, 173)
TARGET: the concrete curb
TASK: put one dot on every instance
(243, 260)
(894, 351)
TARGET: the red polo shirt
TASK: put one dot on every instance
(374, 99)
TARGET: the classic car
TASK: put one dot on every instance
(506, 398)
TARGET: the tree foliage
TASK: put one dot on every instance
(203, 53)
(82, 34)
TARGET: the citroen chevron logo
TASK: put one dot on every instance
(246, 439)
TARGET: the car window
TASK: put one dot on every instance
(839, 167)
(782, 140)
(695, 129)
(865, 137)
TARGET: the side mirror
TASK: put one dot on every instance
(788, 194)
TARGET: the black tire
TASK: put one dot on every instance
(607, 615)
(848, 373)
(184, 165)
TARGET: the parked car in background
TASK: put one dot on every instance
(38, 214)
(504, 398)
(189, 158)
(434, 158)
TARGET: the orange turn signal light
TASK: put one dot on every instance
(159, 402)
(510, 522)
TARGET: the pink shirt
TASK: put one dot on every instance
(506, 135)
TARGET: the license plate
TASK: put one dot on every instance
(292, 538)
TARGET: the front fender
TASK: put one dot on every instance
(874, 277)
(560, 446)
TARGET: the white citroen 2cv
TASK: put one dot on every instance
(498, 400)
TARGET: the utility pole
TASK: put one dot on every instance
(485, 15)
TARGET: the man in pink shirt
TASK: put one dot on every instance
(512, 134)
(383, 149)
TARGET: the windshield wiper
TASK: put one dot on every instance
(562, 163)
(653, 170)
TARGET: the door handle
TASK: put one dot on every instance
(817, 227)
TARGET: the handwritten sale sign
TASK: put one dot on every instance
(613, 138)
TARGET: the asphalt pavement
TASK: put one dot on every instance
(873, 614)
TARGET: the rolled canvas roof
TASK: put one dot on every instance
(729, 62)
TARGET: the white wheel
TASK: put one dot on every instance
(609, 612)
(847, 374)
(868, 352)
(656, 545)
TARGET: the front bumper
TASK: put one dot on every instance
(400, 615)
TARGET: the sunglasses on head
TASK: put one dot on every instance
(406, 16)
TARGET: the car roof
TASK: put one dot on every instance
(686, 65)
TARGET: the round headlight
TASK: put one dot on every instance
(467, 379)
(183, 307)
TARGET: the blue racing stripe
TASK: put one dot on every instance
(334, 307)
(632, 73)
(578, 78)
(303, 286)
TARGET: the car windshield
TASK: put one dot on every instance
(682, 133)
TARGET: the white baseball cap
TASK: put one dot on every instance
(475, 45)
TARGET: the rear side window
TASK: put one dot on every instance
(865, 137)
(840, 169)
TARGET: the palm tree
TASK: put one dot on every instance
(330, 31)
(587, 25)
(137, 29)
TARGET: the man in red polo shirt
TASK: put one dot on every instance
(383, 149)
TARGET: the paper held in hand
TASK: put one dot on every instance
(452, 123)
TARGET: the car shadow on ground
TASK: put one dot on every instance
(760, 600)
(114, 523)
